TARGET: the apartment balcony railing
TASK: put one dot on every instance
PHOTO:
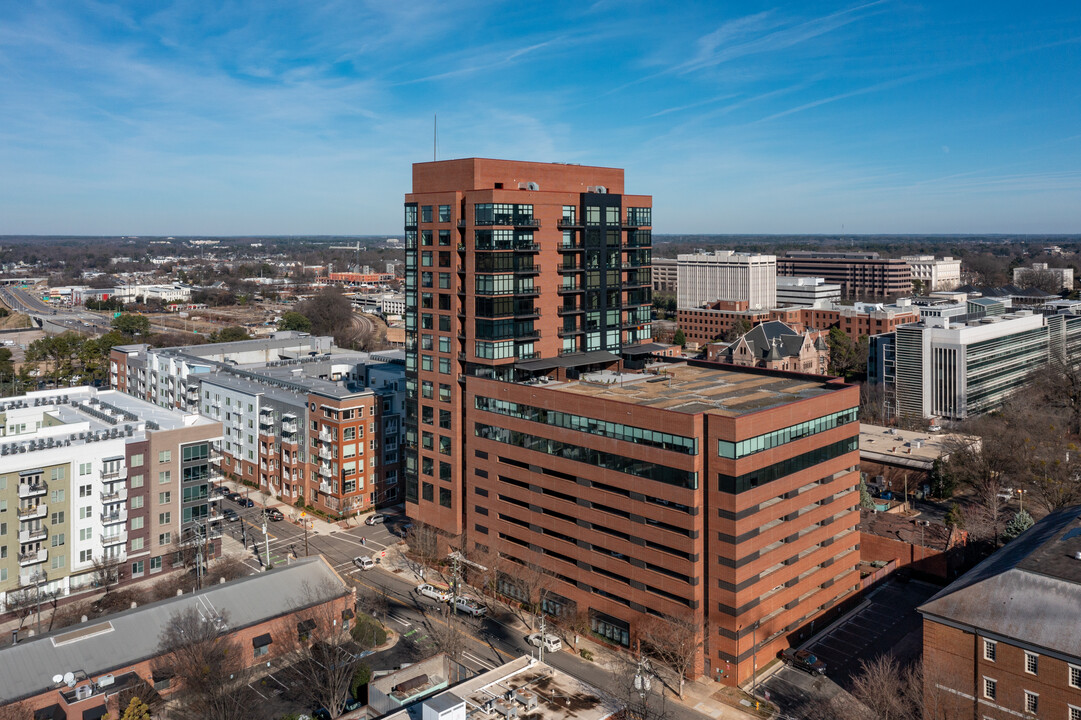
(33, 557)
(34, 511)
(113, 474)
(324, 452)
(289, 427)
(324, 470)
(325, 436)
(118, 539)
(27, 490)
(111, 518)
(119, 494)
(324, 487)
(33, 534)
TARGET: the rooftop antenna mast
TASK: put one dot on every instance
(435, 136)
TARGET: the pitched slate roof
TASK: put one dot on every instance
(1029, 591)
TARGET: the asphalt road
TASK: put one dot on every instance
(489, 641)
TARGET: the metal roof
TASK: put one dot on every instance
(126, 638)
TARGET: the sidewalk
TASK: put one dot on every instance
(316, 524)
(699, 695)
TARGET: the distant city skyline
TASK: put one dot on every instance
(741, 118)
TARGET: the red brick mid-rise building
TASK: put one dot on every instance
(1003, 641)
(860, 275)
(721, 495)
(706, 324)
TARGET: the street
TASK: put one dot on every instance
(488, 642)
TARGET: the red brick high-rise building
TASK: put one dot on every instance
(598, 481)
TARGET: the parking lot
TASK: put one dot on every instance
(886, 623)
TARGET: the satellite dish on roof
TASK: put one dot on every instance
(57, 679)
(69, 679)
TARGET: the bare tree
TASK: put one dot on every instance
(423, 541)
(446, 633)
(320, 652)
(22, 603)
(987, 465)
(374, 602)
(630, 690)
(16, 711)
(677, 642)
(1058, 386)
(1040, 279)
(107, 572)
(889, 691)
(208, 664)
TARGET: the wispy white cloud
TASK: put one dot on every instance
(877, 87)
(766, 33)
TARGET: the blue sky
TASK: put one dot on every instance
(231, 117)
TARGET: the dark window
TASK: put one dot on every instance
(427, 491)
(444, 497)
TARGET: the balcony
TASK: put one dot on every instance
(569, 332)
(530, 270)
(325, 436)
(33, 557)
(324, 470)
(28, 490)
(113, 474)
(575, 310)
(527, 222)
(324, 487)
(33, 534)
(567, 289)
(34, 511)
(289, 427)
(324, 452)
(118, 539)
(112, 495)
(115, 516)
(568, 223)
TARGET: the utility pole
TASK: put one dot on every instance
(266, 541)
(754, 658)
(540, 647)
(305, 537)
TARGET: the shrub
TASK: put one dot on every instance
(368, 632)
(586, 654)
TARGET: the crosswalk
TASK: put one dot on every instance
(470, 657)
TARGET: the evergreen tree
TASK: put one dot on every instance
(954, 517)
(679, 338)
(1020, 522)
(866, 501)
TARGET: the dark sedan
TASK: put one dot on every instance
(230, 515)
(274, 514)
(244, 502)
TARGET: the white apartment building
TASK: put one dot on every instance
(806, 291)
(726, 275)
(935, 274)
(1063, 275)
(88, 476)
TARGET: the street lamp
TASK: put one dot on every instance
(1021, 499)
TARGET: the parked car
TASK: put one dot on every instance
(244, 502)
(375, 519)
(430, 591)
(364, 563)
(274, 514)
(230, 515)
(403, 530)
(550, 641)
(234, 496)
(218, 491)
(470, 606)
(804, 660)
